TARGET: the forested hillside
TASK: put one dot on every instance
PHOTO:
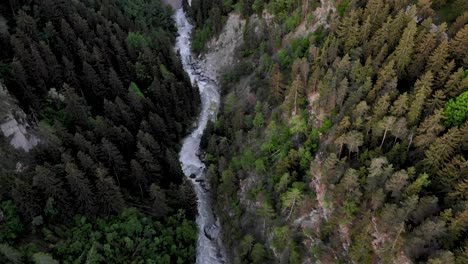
(347, 144)
(110, 101)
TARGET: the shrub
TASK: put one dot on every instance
(456, 110)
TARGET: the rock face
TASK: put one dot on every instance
(221, 50)
(13, 123)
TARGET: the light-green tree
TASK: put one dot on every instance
(291, 199)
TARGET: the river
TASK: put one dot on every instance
(209, 248)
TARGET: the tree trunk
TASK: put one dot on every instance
(292, 208)
(341, 149)
(295, 102)
(383, 139)
(411, 141)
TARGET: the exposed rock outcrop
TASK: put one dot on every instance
(221, 50)
(13, 123)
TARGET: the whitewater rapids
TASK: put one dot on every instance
(209, 250)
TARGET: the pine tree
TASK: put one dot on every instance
(355, 140)
(377, 10)
(188, 198)
(404, 51)
(277, 84)
(159, 206)
(380, 108)
(385, 125)
(437, 101)
(296, 92)
(443, 75)
(114, 160)
(265, 211)
(440, 151)
(139, 176)
(10, 255)
(399, 129)
(425, 44)
(397, 183)
(291, 199)
(342, 91)
(459, 23)
(439, 57)
(456, 84)
(398, 26)
(341, 141)
(429, 130)
(151, 165)
(25, 199)
(81, 189)
(400, 106)
(424, 8)
(45, 180)
(115, 83)
(108, 196)
(458, 45)
(422, 89)
(379, 39)
(386, 82)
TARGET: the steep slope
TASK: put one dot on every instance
(13, 123)
(336, 146)
(112, 103)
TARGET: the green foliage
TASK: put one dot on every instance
(416, 186)
(104, 139)
(11, 226)
(43, 258)
(229, 103)
(451, 10)
(281, 236)
(342, 7)
(238, 71)
(138, 41)
(350, 208)
(134, 89)
(257, 6)
(300, 47)
(298, 125)
(456, 110)
(326, 125)
(9, 255)
(284, 59)
(167, 75)
(281, 8)
(258, 120)
(116, 239)
(306, 157)
(258, 253)
(200, 37)
(292, 22)
(319, 36)
(246, 245)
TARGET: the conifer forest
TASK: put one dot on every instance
(234, 131)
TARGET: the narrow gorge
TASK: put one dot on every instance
(209, 248)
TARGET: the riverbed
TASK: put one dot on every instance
(209, 248)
